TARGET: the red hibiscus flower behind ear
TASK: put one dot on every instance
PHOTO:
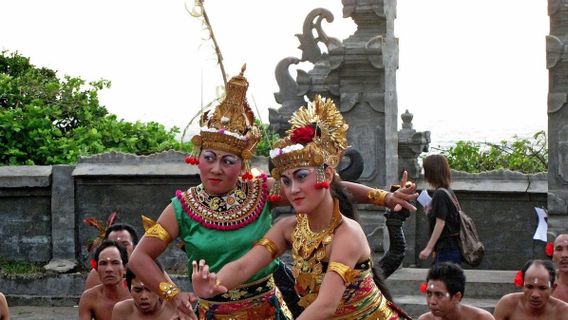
(303, 135)
(93, 264)
(549, 249)
(423, 287)
(518, 279)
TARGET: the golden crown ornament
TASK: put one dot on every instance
(231, 127)
(317, 137)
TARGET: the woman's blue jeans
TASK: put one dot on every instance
(451, 255)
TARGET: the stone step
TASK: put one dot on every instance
(42, 300)
(481, 284)
(415, 305)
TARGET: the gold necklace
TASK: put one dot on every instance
(308, 247)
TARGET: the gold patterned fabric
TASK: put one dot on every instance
(259, 300)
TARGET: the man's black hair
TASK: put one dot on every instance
(130, 275)
(109, 243)
(450, 274)
(123, 226)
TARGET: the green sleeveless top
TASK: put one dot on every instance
(221, 229)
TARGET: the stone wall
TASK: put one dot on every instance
(42, 208)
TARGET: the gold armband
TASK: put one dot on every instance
(269, 245)
(377, 197)
(168, 290)
(157, 231)
(346, 273)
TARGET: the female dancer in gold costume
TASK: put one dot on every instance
(332, 265)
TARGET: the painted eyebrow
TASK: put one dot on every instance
(294, 172)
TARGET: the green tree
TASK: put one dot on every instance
(267, 139)
(45, 120)
(523, 155)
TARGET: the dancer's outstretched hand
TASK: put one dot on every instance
(399, 199)
(182, 303)
(205, 284)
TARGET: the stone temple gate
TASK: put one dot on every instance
(359, 73)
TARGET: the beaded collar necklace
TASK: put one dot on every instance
(231, 211)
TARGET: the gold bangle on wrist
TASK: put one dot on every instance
(168, 290)
(377, 197)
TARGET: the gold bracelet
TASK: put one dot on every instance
(157, 231)
(377, 197)
(168, 290)
(269, 245)
(346, 273)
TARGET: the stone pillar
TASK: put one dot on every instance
(410, 145)
(64, 253)
(359, 74)
(557, 64)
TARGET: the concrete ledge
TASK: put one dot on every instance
(496, 181)
(25, 176)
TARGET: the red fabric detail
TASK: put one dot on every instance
(303, 135)
(191, 160)
(518, 279)
(247, 176)
(549, 249)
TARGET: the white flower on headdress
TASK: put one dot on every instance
(278, 151)
(227, 132)
(225, 119)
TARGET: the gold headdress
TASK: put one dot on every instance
(318, 136)
(231, 128)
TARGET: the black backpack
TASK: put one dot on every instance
(472, 249)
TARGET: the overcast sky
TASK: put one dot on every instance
(483, 59)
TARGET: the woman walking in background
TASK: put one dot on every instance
(443, 216)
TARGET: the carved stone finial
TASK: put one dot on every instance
(407, 120)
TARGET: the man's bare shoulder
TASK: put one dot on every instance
(475, 313)
(123, 309)
(561, 306)
(427, 316)
(510, 298)
(92, 293)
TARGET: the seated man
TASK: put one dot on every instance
(444, 292)
(4, 311)
(144, 304)
(97, 302)
(560, 259)
(535, 302)
(124, 234)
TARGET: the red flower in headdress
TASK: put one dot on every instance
(423, 287)
(549, 249)
(303, 135)
(518, 279)
(93, 264)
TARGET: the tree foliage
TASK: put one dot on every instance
(267, 139)
(523, 155)
(45, 120)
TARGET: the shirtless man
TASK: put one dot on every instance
(560, 259)
(144, 304)
(97, 302)
(444, 292)
(535, 302)
(4, 311)
(122, 233)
